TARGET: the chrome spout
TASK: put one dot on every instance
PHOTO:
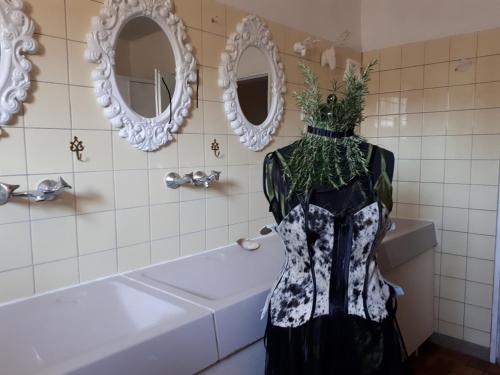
(173, 180)
(46, 190)
(202, 179)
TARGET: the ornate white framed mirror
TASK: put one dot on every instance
(145, 69)
(253, 80)
(16, 39)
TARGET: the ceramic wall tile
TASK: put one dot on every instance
(450, 329)
(54, 275)
(463, 46)
(50, 63)
(481, 246)
(437, 50)
(133, 257)
(216, 237)
(85, 112)
(477, 337)
(131, 188)
(480, 270)
(132, 226)
(485, 172)
(94, 266)
(456, 195)
(190, 12)
(213, 17)
(192, 243)
(96, 232)
(487, 42)
(487, 121)
(12, 152)
(436, 75)
(478, 294)
(78, 18)
(94, 192)
(49, 15)
(165, 249)
(451, 311)
(41, 114)
(48, 151)
(412, 78)
(413, 54)
(53, 239)
(16, 249)
(487, 95)
(452, 288)
(80, 71)
(462, 72)
(16, 284)
(390, 58)
(433, 147)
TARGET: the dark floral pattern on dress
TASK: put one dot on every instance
(290, 301)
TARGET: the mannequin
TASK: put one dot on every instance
(331, 311)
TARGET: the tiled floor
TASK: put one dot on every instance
(436, 360)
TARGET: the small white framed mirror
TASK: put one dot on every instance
(16, 39)
(253, 80)
(145, 69)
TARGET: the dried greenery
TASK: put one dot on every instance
(323, 161)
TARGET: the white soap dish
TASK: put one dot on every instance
(248, 244)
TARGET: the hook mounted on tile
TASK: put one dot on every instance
(77, 147)
(215, 19)
(215, 148)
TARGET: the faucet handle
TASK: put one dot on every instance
(6, 191)
(48, 190)
(216, 175)
(52, 186)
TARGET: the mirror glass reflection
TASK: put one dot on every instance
(254, 85)
(145, 67)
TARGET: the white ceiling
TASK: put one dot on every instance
(324, 18)
(378, 23)
(393, 22)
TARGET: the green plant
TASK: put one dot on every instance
(323, 161)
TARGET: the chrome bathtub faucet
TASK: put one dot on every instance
(46, 190)
(173, 180)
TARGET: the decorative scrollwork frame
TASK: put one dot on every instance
(251, 32)
(16, 39)
(146, 134)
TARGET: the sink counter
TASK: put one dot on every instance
(231, 282)
(113, 326)
(179, 317)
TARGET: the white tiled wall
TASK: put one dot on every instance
(443, 124)
(120, 216)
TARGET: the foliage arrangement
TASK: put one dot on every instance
(322, 161)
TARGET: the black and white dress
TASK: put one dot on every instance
(331, 311)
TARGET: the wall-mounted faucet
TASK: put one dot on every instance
(46, 190)
(198, 178)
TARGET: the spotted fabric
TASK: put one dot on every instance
(292, 298)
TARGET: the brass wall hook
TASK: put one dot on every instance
(77, 147)
(215, 148)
